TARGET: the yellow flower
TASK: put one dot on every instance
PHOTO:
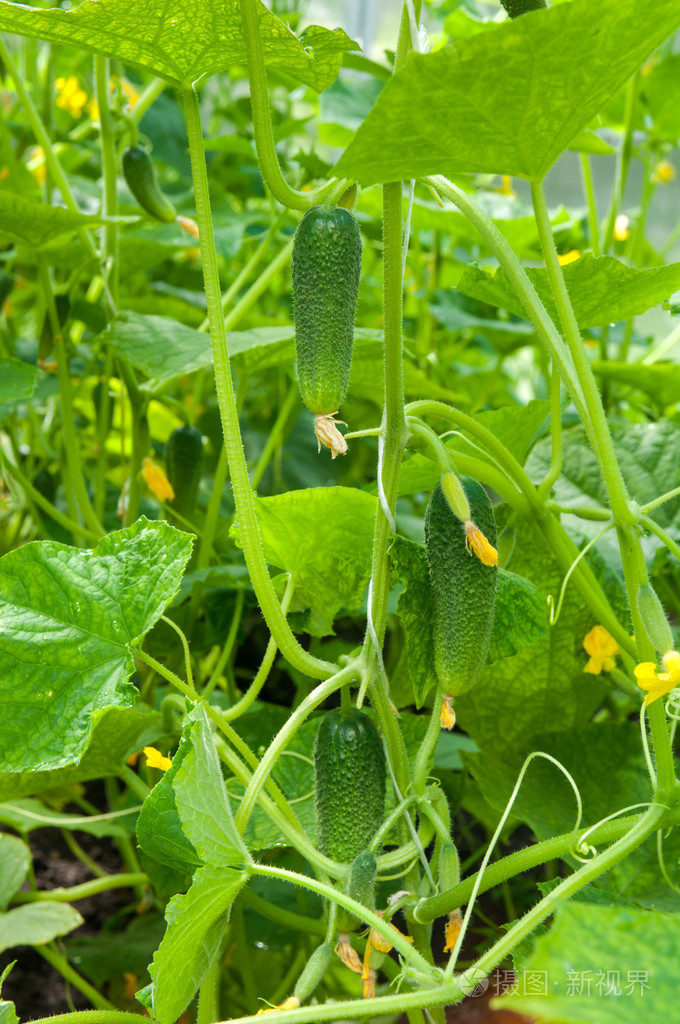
(189, 225)
(621, 228)
(348, 954)
(327, 433)
(568, 257)
(452, 932)
(291, 1003)
(154, 759)
(663, 173)
(475, 540)
(658, 684)
(156, 480)
(447, 716)
(70, 95)
(602, 649)
(129, 92)
(36, 164)
(505, 188)
(92, 109)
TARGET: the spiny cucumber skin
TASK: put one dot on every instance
(184, 462)
(360, 886)
(316, 967)
(463, 589)
(326, 272)
(349, 783)
(517, 7)
(140, 175)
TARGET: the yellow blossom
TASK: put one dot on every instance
(129, 92)
(70, 95)
(505, 188)
(658, 684)
(36, 164)
(154, 759)
(475, 540)
(452, 932)
(447, 716)
(568, 257)
(348, 954)
(189, 225)
(328, 434)
(621, 228)
(291, 1003)
(664, 173)
(92, 109)
(156, 480)
(602, 649)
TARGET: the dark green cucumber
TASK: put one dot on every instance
(316, 967)
(349, 783)
(463, 589)
(140, 175)
(326, 271)
(517, 7)
(184, 463)
(6, 285)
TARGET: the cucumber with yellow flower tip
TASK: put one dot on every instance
(360, 886)
(326, 270)
(184, 463)
(462, 562)
(140, 175)
(349, 783)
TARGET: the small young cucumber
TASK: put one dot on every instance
(314, 970)
(326, 270)
(463, 588)
(184, 463)
(349, 783)
(140, 175)
(517, 7)
(361, 887)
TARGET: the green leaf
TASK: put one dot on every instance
(110, 954)
(17, 383)
(323, 537)
(34, 924)
(602, 289)
(543, 687)
(164, 349)
(661, 381)
(201, 799)
(26, 815)
(591, 948)
(520, 617)
(70, 618)
(507, 100)
(181, 42)
(117, 733)
(196, 923)
(15, 860)
(24, 222)
(605, 761)
(8, 1014)
(159, 827)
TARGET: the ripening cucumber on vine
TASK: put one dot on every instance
(326, 268)
(140, 176)
(184, 463)
(463, 582)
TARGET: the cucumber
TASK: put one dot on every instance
(349, 783)
(463, 588)
(326, 271)
(361, 887)
(140, 175)
(517, 7)
(316, 967)
(184, 463)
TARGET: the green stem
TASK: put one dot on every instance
(109, 241)
(61, 964)
(555, 468)
(212, 514)
(661, 500)
(259, 285)
(147, 97)
(83, 891)
(42, 502)
(622, 162)
(229, 643)
(654, 528)
(274, 436)
(93, 1017)
(288, 919)
(243, 496)
(208, 994)
(262, 123)
(589, 192)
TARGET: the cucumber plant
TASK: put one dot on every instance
(285, 730)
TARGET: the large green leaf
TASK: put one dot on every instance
(196, 923)
(17, 383)
(116, 733)
(15, 860)
(602, 289)
(201, 799)
(601, 965)
(661, 381)
(520, 617)
(181, 42)
(323, 537)
(69, 619)
(509, 100)
(24, 222)
(34, 924)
